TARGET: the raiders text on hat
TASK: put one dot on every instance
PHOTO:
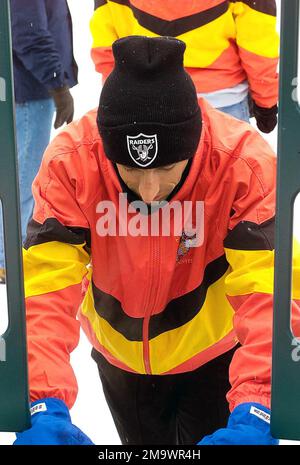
(142, 148)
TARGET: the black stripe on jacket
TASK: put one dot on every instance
(52, 230)
(175, 27)
(177, 313)
(98, 3)
(251, 236)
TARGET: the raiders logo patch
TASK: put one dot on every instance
(142, 149)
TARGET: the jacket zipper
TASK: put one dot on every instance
(153, 286)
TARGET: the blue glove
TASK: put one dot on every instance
(51, 425)
(248, 424)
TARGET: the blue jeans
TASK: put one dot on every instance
(238, 110)
(33, 128)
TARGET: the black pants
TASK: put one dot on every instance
(167, 409)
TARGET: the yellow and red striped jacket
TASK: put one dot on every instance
(145, 305)
(228, 42)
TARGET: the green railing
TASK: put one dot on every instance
(14, 404)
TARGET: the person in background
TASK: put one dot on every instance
(44, 71)
(181, 326)
(232, 47)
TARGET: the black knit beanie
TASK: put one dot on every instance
(148, 114)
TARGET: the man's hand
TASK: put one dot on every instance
(64, 105)
(248, 424)
(266, 118)
(51, 425)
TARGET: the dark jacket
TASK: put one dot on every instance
(42, 48)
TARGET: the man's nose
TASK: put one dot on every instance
(149, 186)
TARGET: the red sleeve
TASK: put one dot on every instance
(249, 248)
(103, 34)
(56, 254)
(258, 44)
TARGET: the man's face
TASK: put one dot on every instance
(152, 184)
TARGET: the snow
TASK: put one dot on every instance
(90, 412)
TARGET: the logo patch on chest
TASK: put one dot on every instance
(185, 243)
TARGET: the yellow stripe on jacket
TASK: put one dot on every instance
(244, 45)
